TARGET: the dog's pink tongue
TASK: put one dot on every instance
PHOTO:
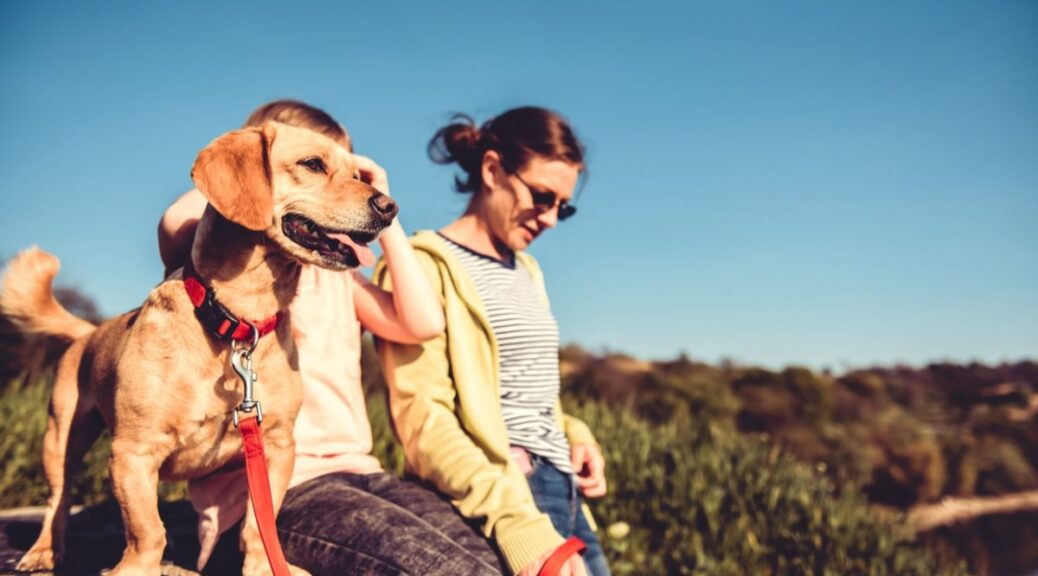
(364, 254)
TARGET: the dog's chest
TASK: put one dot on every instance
(208, 439)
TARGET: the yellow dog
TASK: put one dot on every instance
(279, 197)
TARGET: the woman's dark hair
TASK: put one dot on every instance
(300, 114)
(518, 135)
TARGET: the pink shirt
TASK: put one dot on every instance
(332, 432)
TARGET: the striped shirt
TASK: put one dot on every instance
(528, 352)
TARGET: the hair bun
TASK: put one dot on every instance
(459, 142)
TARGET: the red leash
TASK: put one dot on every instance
(244, 336)
(255, 460)
(259, 492)
(561, 555)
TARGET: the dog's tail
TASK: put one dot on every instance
(27, 298)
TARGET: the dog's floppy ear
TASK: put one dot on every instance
(233, 172)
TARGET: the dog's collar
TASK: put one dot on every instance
(216, 319)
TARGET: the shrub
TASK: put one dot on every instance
(700, 499)
(910, 466)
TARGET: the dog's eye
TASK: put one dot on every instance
(314, 164)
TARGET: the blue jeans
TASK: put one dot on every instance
(556, 495)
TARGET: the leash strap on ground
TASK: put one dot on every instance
(561, 555)
(259, 492)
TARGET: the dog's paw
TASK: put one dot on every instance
(171, 569)
(125, 569)
(37, 560)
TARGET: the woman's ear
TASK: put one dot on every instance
(233, 172)
(491, 168)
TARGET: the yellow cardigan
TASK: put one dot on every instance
(445, 403)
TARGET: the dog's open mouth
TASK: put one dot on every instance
(344, 247)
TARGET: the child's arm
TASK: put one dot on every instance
(177, 229)
(411, 313)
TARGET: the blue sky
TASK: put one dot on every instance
(826, 183)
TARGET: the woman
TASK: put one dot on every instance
(477, 408)
(343, 514)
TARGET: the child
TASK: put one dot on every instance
(342, 513)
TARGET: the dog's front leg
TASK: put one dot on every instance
(135, 479)
(279, 447)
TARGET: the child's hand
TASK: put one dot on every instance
(372, 174)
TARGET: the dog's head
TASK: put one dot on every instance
(299, 188)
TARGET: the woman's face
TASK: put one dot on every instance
(518, 207)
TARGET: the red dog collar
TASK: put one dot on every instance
(216, 319)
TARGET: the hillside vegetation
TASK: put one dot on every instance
(689, 493)
(723, 469)
(904, 438)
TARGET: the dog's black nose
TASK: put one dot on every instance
(383, 206)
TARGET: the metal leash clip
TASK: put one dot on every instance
(241, 361)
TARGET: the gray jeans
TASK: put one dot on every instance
(373, 524)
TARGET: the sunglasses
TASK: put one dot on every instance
(546, 200)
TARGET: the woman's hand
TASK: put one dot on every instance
(589, 466)
(372, 174)
(574, 566)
